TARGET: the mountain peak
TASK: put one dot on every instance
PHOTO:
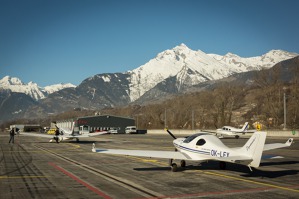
(229, 54)
(32, 89)
(278, 52)
(7, 80)
(181, 47)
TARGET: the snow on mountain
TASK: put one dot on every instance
(32, 89)
(16, 85)
(240, 64)
(189, 67)
(176, 61)
(193, 67)
(58, 87)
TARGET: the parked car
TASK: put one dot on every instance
(113, 131)
(131, 129)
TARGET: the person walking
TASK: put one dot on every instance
(12, 136)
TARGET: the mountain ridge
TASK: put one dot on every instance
(14, 84)
(170, 72)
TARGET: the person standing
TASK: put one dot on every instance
(12, 135)
(57, 133)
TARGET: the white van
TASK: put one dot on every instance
(130, 129)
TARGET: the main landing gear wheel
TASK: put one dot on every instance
(237, 137)
(173, 166)
(77, 139)
(222, 165)
(183, 163)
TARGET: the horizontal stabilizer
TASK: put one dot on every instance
(271, 157)
(278, 145)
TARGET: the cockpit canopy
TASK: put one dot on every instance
(200, 142)
(200, 139)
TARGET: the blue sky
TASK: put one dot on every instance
(67, 41)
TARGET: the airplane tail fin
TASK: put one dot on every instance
(254, 148)
(245, 127)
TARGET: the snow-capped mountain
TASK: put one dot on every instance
(188, 67)
(170, 72)
(14, 84)
(57, 87)
(240, 64)
(193, 67)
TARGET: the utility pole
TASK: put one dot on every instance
(192, 119)
(284, 109)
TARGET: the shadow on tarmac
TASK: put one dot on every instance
(243, 170)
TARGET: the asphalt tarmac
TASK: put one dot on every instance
(34, 168)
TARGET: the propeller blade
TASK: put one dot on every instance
(170, 134)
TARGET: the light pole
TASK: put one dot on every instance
(137, 118)
(192, 115)
(284, 109)
(165, 119)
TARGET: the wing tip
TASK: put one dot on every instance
(93, 149)
(289, 141)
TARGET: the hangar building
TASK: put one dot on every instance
(98, 123)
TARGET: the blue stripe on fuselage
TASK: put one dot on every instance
(192, 150)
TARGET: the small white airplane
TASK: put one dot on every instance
(232, 131)
(65, 134)
(204, 146)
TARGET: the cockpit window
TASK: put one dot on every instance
(200, 142)
(190, 138)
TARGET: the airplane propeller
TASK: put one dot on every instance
(171, 164)
(170, 134)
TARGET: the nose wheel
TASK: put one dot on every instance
(174, 166)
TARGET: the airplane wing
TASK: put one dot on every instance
(271, 157)
(208, 131)
(144, 153)
(65, 135)
(278, 145)
(87, 135)
(250, 131)
(167, 155)
(38, 135)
